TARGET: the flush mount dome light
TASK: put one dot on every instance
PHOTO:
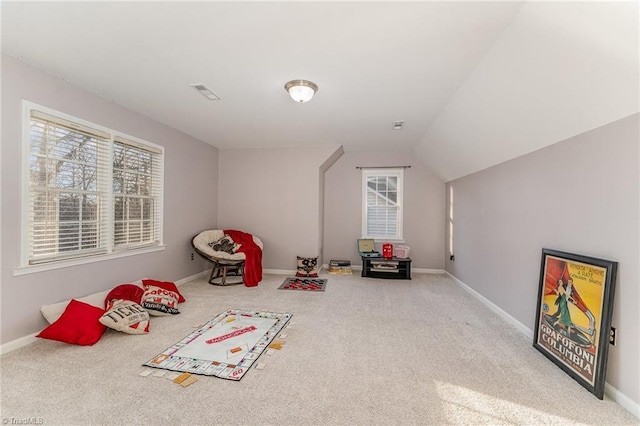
(301, 90)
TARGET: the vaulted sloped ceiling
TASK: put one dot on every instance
(477, 83)
(557, 70)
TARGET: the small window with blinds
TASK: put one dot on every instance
(89, 191)
(382, 203)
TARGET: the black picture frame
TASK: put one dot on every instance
(573, 315)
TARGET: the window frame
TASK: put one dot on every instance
(112, 251)
(373, 172)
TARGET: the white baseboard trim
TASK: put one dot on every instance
(427, 271)
(193, 277)
(495, 308)
(623, 400)
(279, 271)
(18, 343)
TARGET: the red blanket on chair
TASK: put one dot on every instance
(253, 253)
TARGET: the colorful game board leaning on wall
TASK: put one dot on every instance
(226, 346)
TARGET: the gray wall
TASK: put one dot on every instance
(580, 196)
(321, 196)
(424, 198)
(274, 194)
(191, 184)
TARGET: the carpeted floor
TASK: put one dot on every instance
(365, 351)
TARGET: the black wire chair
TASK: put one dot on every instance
(228, 269)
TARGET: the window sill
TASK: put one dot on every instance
(33, 269)
(379, 241)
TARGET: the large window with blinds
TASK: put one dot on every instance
(382, 203)
(90, 191)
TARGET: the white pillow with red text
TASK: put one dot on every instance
(159, 301)
(126, 316)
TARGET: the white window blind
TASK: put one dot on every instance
(89, 192)
(68, 189)
(382, 204)
(137, 180)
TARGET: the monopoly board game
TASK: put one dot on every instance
(226, 346)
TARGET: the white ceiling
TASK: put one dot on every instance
(477, 82)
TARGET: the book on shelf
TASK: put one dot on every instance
(340, 267)
(384, 266)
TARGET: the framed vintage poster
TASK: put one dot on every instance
(573, 316)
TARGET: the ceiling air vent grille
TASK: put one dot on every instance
(206, 92)
(398, 125)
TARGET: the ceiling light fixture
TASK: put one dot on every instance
(301, 90)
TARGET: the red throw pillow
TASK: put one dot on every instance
(79, 324)
(125, 292)
(167, 285)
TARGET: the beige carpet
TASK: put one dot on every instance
(365, 351)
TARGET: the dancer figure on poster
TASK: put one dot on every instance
(562, 315)
(561, 319)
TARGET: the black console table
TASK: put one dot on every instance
(379, 267)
